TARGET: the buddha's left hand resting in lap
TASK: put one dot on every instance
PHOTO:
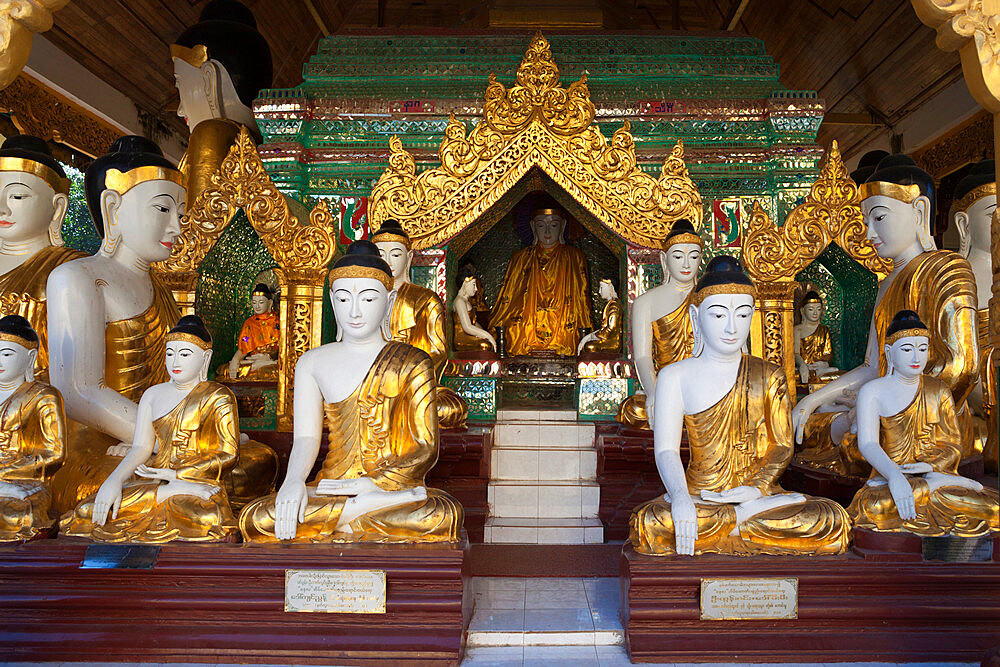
(738, 420)
(186, 441)
(377, 398)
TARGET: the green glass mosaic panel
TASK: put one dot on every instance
(479, 393)
(269, 420)
(78, 229)
(423, 276)
(600, 398)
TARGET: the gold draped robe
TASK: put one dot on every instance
(926, 431)
(387, 431)
(22, 292)
(544, 301)
(417, 318)
(941, 288)
(673, 340)
(988, 383)
(744, 440)
(609, 337)
(198, 439)
(32, 447)
(208, 146)
(258, 335)
(464, 341)
(816, 346)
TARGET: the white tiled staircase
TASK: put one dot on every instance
(543, 488)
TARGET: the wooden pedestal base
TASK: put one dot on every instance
(225, 603)
(849, 610)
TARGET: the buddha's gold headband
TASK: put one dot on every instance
(188, 338)
(195, 56)
(974, 195)
(903, 193)
(361, 272)
(122, 182)
(907, 333)
(23, 342)
(391, 237)
(812, 299)
(42, 171)
(261, 292)
(686, 237)
(723, 288)
(547, 211)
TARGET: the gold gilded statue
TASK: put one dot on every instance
(377, 400)
(186, 438)
(609, 337)
(418, 317)
(898, 208)
(544, 301)
(737, 415)
(908, 431)
(661, 324)
(468, 335)
(256, 355)
(33, 205)
(813, 347)
(32, 433)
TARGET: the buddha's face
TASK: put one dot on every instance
(812, 312)
(606, 290)
(468, 288)
(680, 262)
(28, 207)
(723, 322)
(396, 256)
(548, 229)
(908, 356)
(196, 86)
(359, 305)
(185, 361)
(977, 221)
(15, 360)
(146, 218)
(894, 227)
(260, 304)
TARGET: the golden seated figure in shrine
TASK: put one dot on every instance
(609, 337)
(256, 358)
(813, 347)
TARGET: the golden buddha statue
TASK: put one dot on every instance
(908, 431)
(661, 324)
(735, 409)
(813, 347)
(32, 435)
(185, 444)
(371, 486)
(609, 337)
(544, 301)
(468, 335)
(32, 208)
(898, 208)
(256, 355)
(417, 317)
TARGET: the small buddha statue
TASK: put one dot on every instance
(909, 433)
(33, 200)
(661, 327)
(468, 335)
(736, 412)
(813, 348)
(371, 486)
(609, 337)
(417, 317)
(221, 63)
(897, 203)
(32, 435)
(480, 309)
(256, 355)
(185, 444)
(544, 301)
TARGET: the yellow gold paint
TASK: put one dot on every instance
(122, 182)
(42, 171)
(609, 337)
(903, 193)
(817, 346)
(208, 145)
(195, 56)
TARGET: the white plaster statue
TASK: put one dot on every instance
(461, 307)
(207, 92)
(609, 336)
(973, 225)
(813, 347)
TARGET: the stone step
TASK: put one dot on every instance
(528, 415)
(568, 435)
(514, 530)
(517, 463)
(548, 499)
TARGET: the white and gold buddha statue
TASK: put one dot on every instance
(376, 398)
(608, 338)
(468, 335)
(736, 411)
(813, 347)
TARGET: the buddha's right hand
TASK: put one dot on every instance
(801, 413)
(902, 496)
(109, 497)
(685, 518)
(234, 369)
(289, 508)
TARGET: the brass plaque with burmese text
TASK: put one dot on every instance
(335, 591)
(739, 599)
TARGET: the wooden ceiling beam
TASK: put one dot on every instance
(735, 14)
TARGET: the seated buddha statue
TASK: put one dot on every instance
(661, 327)
(417, 317)
(33, 200)
(897, 203)
(609, 337)
(169, 485)
(480, 309)
(813, 348)
(256, 355)
(972, 213)
(545, 297)
(468, 335)
(909, 433)
(221, 63)
(32, 435)
(108, 317)
(736, 411)
(371, 485)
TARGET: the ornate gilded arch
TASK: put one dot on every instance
(773, 255)
(302, 251)
(535, 124)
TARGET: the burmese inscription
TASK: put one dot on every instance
(738, 599)
(343, 591)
